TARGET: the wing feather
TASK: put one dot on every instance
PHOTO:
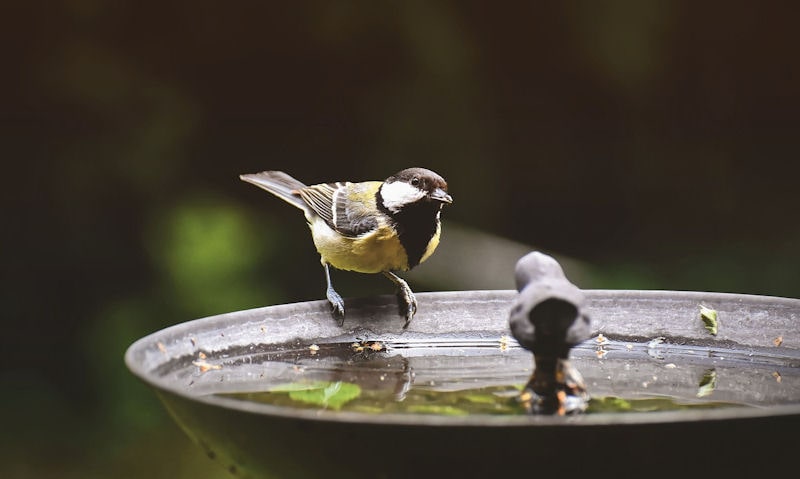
(320, 199)
(348, 208)
(356, 211)
(279, 184)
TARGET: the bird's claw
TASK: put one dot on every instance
(408, 305)
(337, 305)
(405, 297)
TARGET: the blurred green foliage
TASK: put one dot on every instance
(653, 141)
(210, 234)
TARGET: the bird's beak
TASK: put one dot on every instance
(440, 195)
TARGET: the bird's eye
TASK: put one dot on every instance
(415, 181)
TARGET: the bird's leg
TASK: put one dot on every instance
(337, 303)
(408, 303)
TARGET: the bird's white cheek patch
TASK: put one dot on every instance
(398, 194)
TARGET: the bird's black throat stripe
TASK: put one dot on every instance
(415, 224)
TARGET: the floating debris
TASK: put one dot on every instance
(778, 341)
(161, 347)
(652, 348)
(367, 346)
(504, 342)
(600, 339)
(709, 317)
(206, 366)
(777, 376)
(324, 394)
(708, 383)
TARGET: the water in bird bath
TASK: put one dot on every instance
(484, 376)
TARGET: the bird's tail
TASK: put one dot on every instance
(279, 184)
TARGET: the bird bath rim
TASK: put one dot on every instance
(478, 314)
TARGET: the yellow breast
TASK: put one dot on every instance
(374, 252)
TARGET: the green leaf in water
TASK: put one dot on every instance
(609, 404)
(709, 317)
(331, 395)
(442, 410)
(484, 398)
(707, 384)
(298, 386)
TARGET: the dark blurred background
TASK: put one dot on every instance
(652, 144)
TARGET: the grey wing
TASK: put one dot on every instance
(354, 217)
(337, 205)
(320, 199)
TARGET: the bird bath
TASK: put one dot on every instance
(270, 391)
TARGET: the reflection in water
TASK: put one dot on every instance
(485, 377)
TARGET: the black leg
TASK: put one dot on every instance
(408, 303)
(337, 303)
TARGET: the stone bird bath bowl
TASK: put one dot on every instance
(736, 394)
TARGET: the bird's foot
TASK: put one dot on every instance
(405, 297)
(407, 303)
(337, 305)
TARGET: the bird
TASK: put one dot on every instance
(375, 227)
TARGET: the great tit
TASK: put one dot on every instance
(368, 227)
